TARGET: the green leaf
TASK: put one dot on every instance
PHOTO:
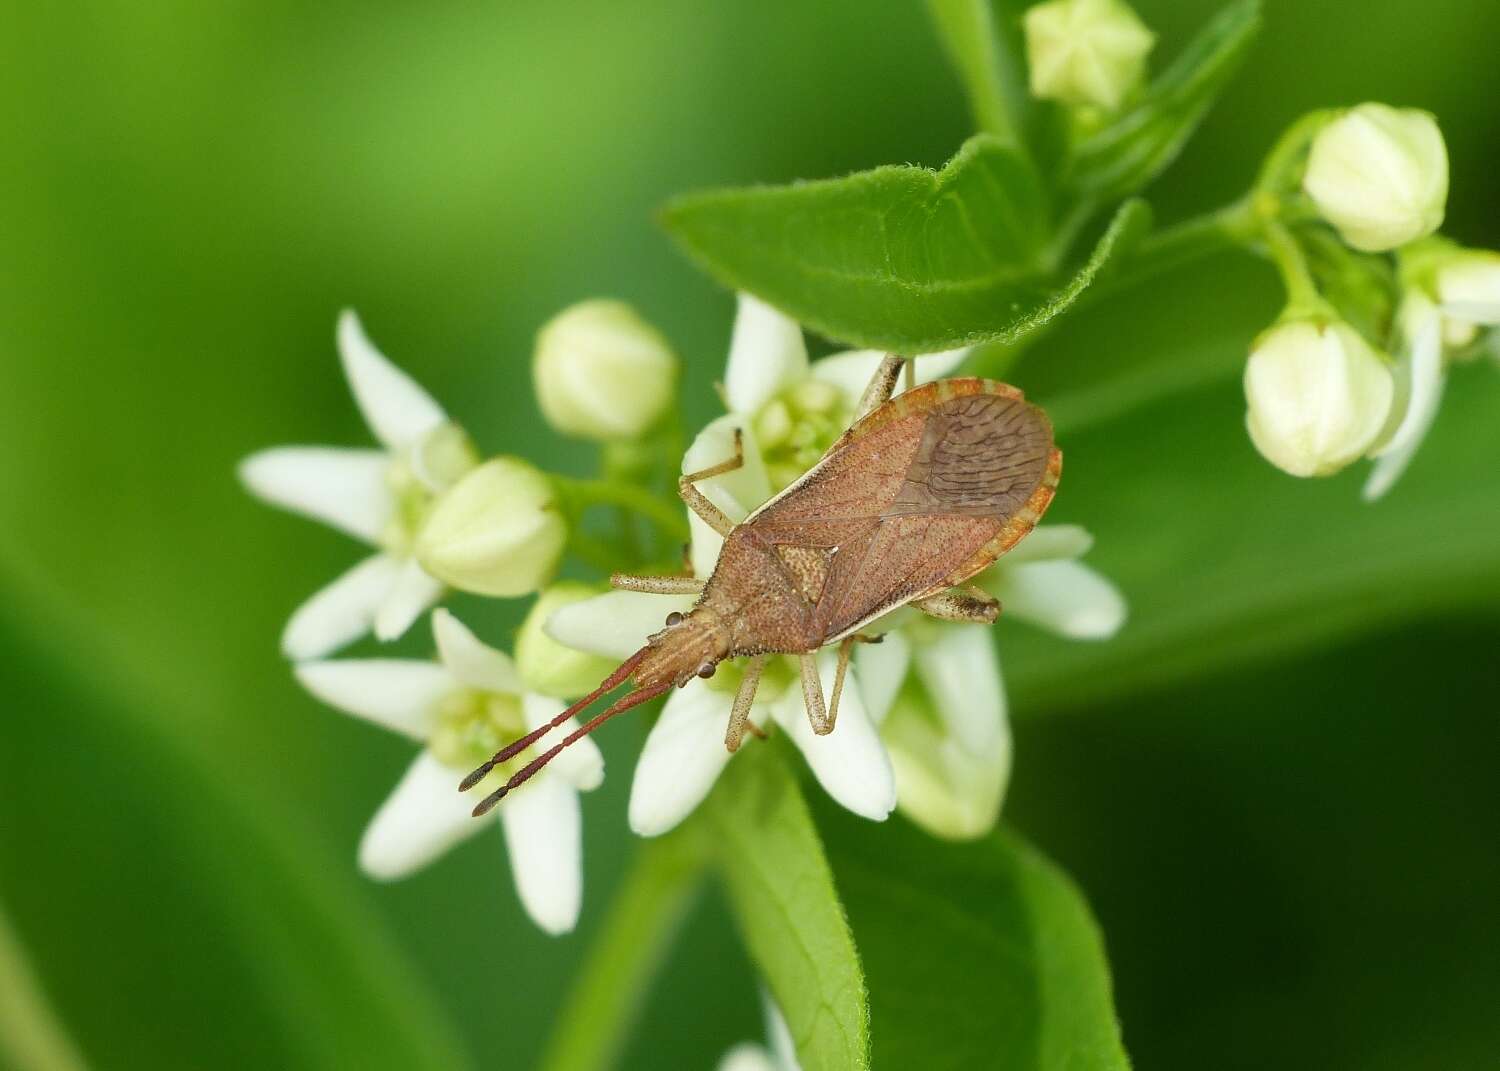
(1134, 149)
(783, 895)
(898, 258)
(979, 955)
(174, 923)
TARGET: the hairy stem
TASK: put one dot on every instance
(592, 1028)
(968, 32)
(31, 1037)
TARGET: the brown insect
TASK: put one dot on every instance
(919, 495)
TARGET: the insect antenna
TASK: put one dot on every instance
(524, 774)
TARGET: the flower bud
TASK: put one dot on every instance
(602, 372)
(495, 532)
(1468, 289)
(1318, 396)
(547, 666)
(1085, 52)
(1379, 175)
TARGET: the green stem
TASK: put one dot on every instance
(31, 1037)
(591, 1030)
(969, 34)
(1231, 227)
(665, 515)
(1303, 298)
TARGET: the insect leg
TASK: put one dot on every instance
(698, 502)
(812, 696)
(739, 714)
(657, 585)
(910, 376)
(882, 385)
(967, 603)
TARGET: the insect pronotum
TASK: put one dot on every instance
(921, 493)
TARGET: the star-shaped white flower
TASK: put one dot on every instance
(462, 709)
(378, 496)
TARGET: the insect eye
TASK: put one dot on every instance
(706, 670)
(674, 618)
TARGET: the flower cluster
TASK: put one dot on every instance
(1348, 209)
(923, 722)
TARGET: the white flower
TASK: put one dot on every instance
(1379, 175)
(375, 495)
(496, 532)
(936, 688)
(780, 1055)
(1085, 52)
(1420, 377)
(1317, 396)
(463, 708)
(601, 372)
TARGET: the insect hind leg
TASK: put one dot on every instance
(967, 603)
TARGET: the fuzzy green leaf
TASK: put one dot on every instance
(898, 258)
(1122, 158)
(979, 955)
(789, 914)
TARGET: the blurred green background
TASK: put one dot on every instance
(1276, 787)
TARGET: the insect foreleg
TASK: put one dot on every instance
(739, 714)
(967, 603)
(882, 385)
(696, 501)
(812, 696)
(657, 585)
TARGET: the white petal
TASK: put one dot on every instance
(852, 370)
(1065, 597)
(580, 763)
(470, 660)
(1422, 370)
(850, 762)
(1474, 312)
(961, 672)
(422, 818)
(408, 599)
(343, 611)
(882, 670)
(614, 624)
(766, 355)
(398, 693)
(681, 760)
(747, 1056)
(544, 835)
(399, 412)
(1050, 542)
(343, 488)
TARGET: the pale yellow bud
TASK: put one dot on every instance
(1379, 175)
(495, 532)
(547, 666)
(602, 372)
(1086, 52)
(1318, 396)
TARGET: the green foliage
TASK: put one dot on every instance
(1134, 148)
(978, 955)
(900, 258)
(252, 957)
(788, 910)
